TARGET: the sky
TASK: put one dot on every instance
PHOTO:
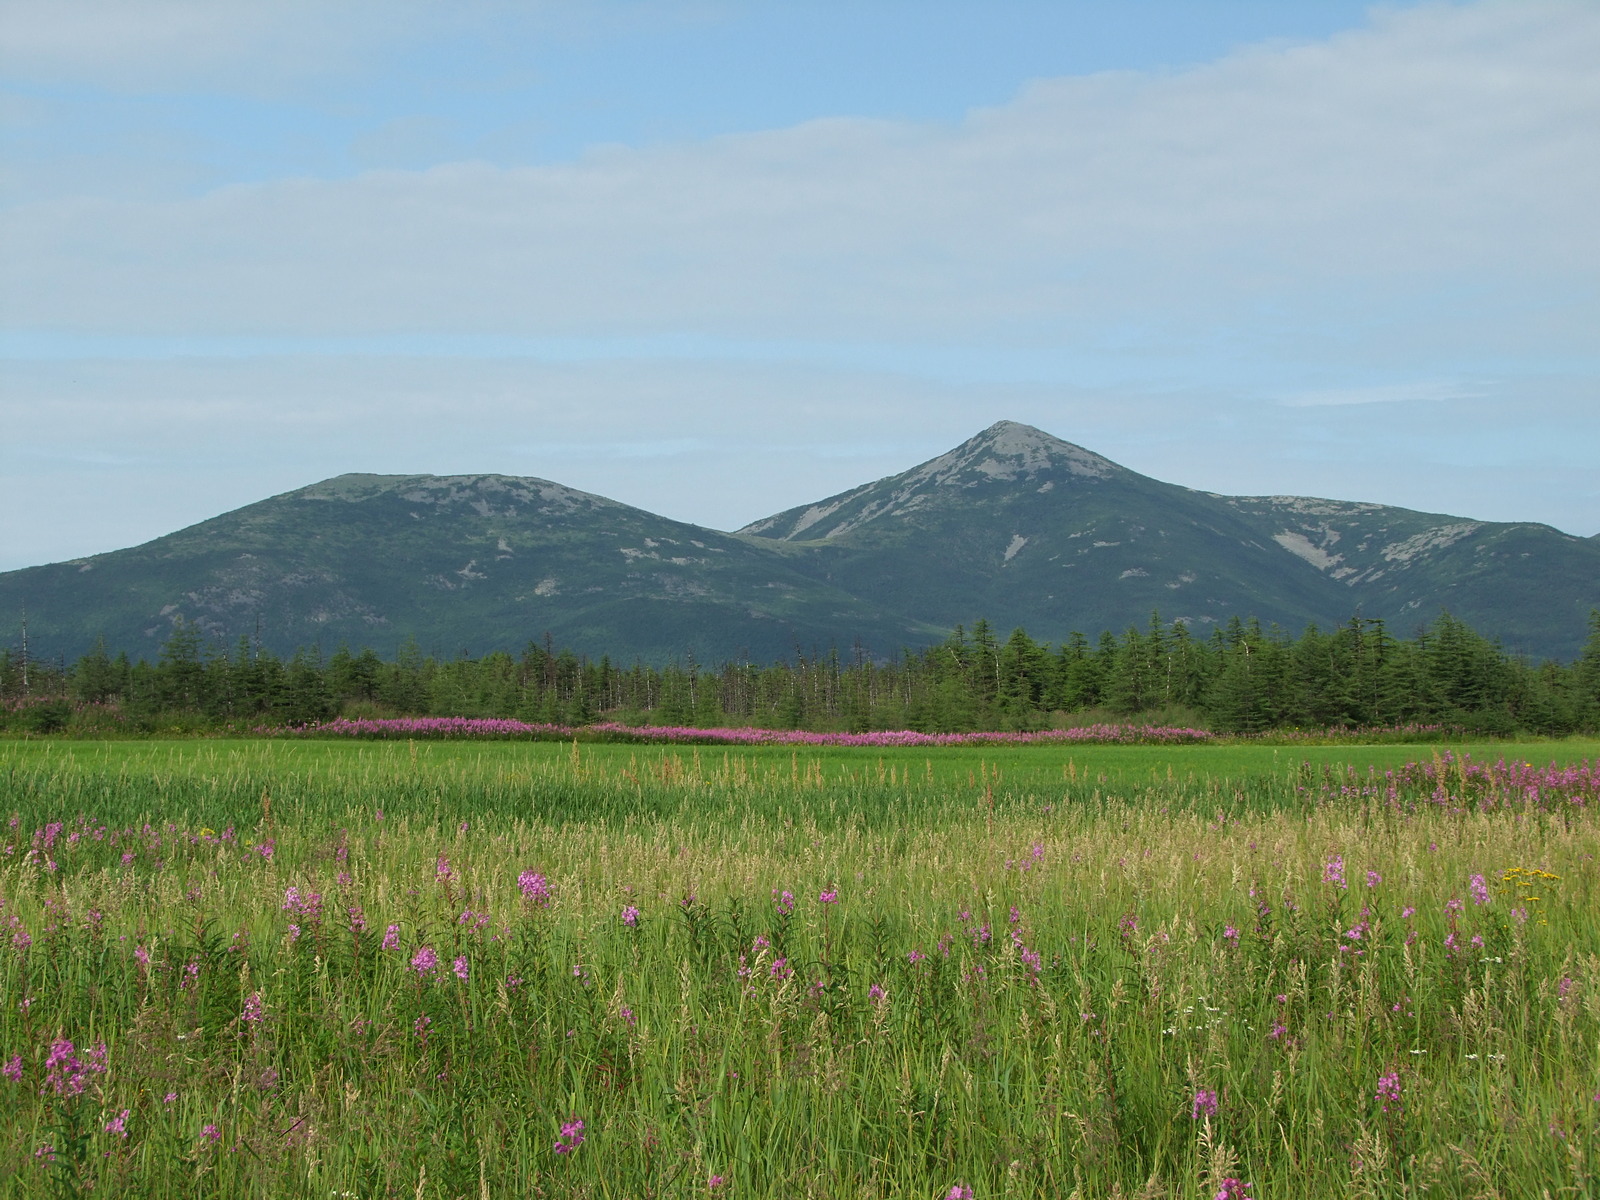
(718, 259)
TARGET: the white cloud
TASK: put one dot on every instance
(276, 47)
(1431, 177)
(167, 42)
(1401, 213)
(1384, 393)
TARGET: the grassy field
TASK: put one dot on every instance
(222, 781)
(528, 969)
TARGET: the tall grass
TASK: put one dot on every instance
(754, 976)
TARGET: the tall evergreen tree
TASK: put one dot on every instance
(95, 679)
(180, 674)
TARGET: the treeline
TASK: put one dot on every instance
(1241, 678)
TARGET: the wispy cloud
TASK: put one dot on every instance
(1176, 268)
(1386, 393)
(272, 47)
(1418, 183)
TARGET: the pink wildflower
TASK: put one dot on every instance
(65, 1073)
(571, 1137)
(1333, 871)
(1389, 1091)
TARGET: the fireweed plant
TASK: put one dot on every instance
(772, 984)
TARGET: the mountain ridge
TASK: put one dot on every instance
(1013, 524)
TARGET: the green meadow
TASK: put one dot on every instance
(439, 969)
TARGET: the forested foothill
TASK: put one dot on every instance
(1241, 679)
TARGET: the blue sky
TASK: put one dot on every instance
(718, 259)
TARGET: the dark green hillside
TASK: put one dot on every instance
(1013, 524)
(1049, 535)
(460, 563)
(1529, 585)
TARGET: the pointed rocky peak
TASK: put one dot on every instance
(1010, 450)
(1006, 453)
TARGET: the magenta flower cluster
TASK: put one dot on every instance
(1457, 784)
(496, 727)
(65, 1074)
(571, 1137)
(1388, 1092)
(1333, 871)
(535, 887)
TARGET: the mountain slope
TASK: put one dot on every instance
(1052, 536)
(1013, 524)
(1032, 530)
(1528, 584)
(460, 562)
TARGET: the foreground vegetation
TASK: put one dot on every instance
(1241, 679)
(266, 968)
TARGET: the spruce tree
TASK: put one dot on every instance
(1236, 703)
(94, 677)
(179, 673)
(1586, 675)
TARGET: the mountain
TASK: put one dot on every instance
(1529, 585)
(1050, 535)
(1031, 530)
(1014, 525)
(473, 562)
